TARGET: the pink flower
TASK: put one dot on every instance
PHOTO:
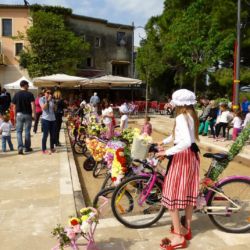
(71, 234)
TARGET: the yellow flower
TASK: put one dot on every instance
(84, 218)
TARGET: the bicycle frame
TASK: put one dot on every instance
(224, 209)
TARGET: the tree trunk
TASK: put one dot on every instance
(195, 84)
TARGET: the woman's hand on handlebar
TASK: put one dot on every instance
(160, 154)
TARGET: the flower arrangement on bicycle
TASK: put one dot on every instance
(96, 148)
(82, 226)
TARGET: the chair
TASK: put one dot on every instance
(161, 109)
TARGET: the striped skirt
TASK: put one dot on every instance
(181, 184)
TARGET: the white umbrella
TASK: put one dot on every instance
(111, 81)
(61, 80)
(16, 84)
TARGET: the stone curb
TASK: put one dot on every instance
(76, 186)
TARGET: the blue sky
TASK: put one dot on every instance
(118, 11)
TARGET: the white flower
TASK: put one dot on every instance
(85, 227)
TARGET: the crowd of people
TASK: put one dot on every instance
(218, 117)
(49, 108)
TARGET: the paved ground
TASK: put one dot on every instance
(38, 191)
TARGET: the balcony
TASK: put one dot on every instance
(3, 59)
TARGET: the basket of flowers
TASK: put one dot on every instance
(140, 146)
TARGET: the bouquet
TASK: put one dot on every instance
(94, 129)
(78, 227)
(117, 160)
(129, 133)
(96, 148)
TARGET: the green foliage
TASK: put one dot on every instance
(59, 10)
(233, 151)
(189, 38)
(224, 76)
(53, 48)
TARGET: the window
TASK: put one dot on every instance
(89, 62)
(19, 48)
(121, 38)
(97, 42)
(6, 27)
(120, 70)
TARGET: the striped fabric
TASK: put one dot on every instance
(181, 184)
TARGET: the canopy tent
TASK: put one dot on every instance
(16, 85)
(61, 80)
(110, 81)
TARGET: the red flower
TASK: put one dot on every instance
(74, 222)
(207, 182)
(113, 179)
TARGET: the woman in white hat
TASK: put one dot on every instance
(181, 183)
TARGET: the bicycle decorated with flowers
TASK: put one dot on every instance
(80, 227)
(226, 201)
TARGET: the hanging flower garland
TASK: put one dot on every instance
(237, 146)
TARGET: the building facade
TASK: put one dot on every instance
(13, 19)
(111, 44)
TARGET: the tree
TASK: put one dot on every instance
(53, 48)
(196, 35)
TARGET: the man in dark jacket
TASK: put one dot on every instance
(24, 108)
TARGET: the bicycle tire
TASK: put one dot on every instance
(104, 192)
(137, 221)
(89, 163)
(79, 147)
(108, 193)
(99, 169)
(223, 222)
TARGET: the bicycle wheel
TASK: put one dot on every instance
(107, 193)
(238, 190)
(146, 211)
(79, 147)
(107, 181)
(89, 163)
(99, 169)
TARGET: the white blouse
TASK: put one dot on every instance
(184, 134)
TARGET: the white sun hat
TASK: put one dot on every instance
(183, 97)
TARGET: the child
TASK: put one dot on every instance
(5, 130)
(147, 127)
(247, 118)
(181, 183)
(237, 123)
(108, 120)
(124, 118)
(222, 121)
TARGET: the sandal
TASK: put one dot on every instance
(166, 243)
(188, 235)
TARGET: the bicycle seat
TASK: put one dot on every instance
(216, 156)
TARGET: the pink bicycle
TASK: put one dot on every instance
(136, 202)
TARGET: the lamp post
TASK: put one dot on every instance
(237, 68)
(132, 67)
